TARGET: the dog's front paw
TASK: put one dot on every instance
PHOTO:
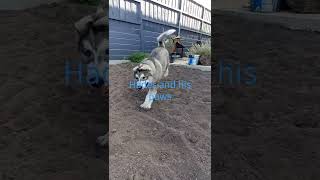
(103, 140)
(145, 106)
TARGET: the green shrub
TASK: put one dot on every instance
(137, 57)
(203, 50)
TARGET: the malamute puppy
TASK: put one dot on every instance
(153, 69)
(92, 39)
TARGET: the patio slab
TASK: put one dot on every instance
(184, 62)
(114, 62)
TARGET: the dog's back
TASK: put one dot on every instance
(161, 54)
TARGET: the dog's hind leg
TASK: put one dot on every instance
(149, 98)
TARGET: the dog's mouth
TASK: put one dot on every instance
(94, 82)
(142, 84)
(94, 77)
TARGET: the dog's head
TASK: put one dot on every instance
(93, 45)
(143, 75)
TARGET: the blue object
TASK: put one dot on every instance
(264, 5)
(190, 59)
(256, 5)
(193, 59)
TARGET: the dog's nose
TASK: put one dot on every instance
(92, 80)
(96, 83)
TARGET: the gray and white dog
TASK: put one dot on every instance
(153, 69)
(93, 45)
(92, 38)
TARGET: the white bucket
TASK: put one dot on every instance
(267, 6)
(193, 59)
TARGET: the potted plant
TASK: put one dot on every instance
(200, 53)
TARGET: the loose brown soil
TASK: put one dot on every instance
(47, 130)
(270, 130)
(170, 141)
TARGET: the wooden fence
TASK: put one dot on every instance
(135, 24)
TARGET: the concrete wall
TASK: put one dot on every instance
(22, 4)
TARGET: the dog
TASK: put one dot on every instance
(92, 39)
(154, 68)
(93, 46)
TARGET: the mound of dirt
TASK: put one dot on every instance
(47, 130)
(267, 130)
(170, 141)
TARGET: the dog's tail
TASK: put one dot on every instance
(163, 36)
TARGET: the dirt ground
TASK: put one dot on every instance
(47, 130)
(270, 130)
(170, 141)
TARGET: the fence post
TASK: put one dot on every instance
(201, 23)
(141, 25)
(180, 16)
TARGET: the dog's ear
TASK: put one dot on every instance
(101, 14)
(103, 21)
(145, 67)
(102, 8)
(82, 25)
(135, 68)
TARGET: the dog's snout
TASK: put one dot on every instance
(94, 82)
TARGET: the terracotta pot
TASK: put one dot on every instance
(205, 61)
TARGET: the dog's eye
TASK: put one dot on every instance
(87, 53)
(143, 78)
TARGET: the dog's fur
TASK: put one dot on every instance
(154, 68)
(93, 46)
